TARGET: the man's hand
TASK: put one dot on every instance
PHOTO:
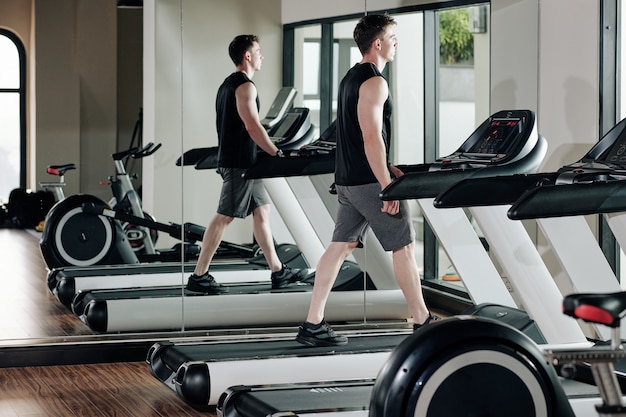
(395, 171)
(391, 207)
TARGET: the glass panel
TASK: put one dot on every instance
(622, 109)
(9, 142)
(307, 59)
(10, 68)
(407, 90)
(345, 55)
(463, 87)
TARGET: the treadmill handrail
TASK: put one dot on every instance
(565, 200)
(490, 191)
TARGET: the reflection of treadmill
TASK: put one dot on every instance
(67, 282)
(109, 310)
(281, 104)
(317, 157)
(248, 303)
(523, 150)
(293, 131)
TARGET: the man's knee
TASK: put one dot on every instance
(261, 212)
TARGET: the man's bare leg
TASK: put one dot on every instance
(407, 274)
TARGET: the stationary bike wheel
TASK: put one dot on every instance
(73, 238)
(468, 366)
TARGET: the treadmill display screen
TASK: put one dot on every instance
(498, 137)
(285, 126)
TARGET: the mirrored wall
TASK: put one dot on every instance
(438, 101)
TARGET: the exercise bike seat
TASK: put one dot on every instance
(606, 309)
(60, 170)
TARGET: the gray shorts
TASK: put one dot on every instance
(239, 197)
(359, 207)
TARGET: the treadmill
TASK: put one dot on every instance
(554, 200)
(295, 129)
(66, 283)
(248, 302)
(519, 140)
(420, 356)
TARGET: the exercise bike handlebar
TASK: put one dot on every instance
(137, 153)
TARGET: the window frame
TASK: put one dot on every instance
(21, 91)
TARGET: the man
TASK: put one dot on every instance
(239, 132)
(361, 172)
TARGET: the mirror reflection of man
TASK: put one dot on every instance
(240, 132)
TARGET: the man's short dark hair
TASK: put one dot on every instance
(369, 28)
(239, 46)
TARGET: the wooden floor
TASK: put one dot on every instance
(31, 312)
(24, 295)
(120, 389)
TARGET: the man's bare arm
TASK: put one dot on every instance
(246, 107)
(372, 96)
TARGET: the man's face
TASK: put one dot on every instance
(388, 43)
(256, 58)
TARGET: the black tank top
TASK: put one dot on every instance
(351, 166)
(236, 148)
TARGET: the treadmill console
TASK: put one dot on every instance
(504, 137)
(606, 160)
(280, 105)
(497, 139)
(326, 144)
(295, 125)
(616, 154)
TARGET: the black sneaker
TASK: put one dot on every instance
(286, 276)
(205, 284)
(431, 318)
(319, 335)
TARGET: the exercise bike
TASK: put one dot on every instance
(470, 366)
(82, 230)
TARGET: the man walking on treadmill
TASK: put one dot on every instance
(239, 132)
(361, 172)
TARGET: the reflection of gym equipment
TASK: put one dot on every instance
(57, 186)
(520, 150)
(114, 309)
(289, 128)
(74, 236)
(66, 282)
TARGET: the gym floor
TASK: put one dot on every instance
(92, 389)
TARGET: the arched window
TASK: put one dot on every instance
(12, 114)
